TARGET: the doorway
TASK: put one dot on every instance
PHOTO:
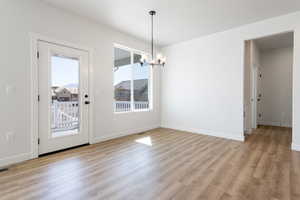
(63, 96)
(268, 82)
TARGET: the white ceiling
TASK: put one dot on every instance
(177, 20)
(276, 41)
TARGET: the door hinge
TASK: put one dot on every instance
(38, 54)
(39, 140)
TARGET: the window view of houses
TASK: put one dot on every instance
(64, 95)
(131, 82)
(123, 95)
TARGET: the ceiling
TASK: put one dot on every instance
(276, 41)
(177, 20)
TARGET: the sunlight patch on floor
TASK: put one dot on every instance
(145, 140)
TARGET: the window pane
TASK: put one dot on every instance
(122, 80)
(64, 98)
(141, 84)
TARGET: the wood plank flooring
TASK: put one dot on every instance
(163, 164)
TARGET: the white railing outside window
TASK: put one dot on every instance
(64, 115)
(125, 106)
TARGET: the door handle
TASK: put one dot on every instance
(87, 102)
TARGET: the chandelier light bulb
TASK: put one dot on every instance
(144, 58)
(159, 56)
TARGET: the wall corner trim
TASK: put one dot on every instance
(295, 147)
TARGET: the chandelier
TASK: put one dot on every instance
(159, 60)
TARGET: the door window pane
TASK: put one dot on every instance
(122, 80)
(141, 84)
(64, 96)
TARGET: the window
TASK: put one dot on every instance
(64, 96)
(131, 81)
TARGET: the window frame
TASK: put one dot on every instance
(150, 81)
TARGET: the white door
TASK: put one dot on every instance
(63, 97)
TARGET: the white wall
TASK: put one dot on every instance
(18, 19)
(276, 87)
(202, 83)
(202, 88)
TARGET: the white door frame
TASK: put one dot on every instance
(254, 96)
(34, 116)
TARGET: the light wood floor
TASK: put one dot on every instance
(176, 165)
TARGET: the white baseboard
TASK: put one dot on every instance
(5, 162)
(230, 136)
(295, 147)
(268, 123)
(123, 133)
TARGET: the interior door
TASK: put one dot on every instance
(63, 97)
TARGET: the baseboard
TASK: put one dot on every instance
(123, 133)
(230, 136)
(267, 123)
(5, 162)
(295, 147)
